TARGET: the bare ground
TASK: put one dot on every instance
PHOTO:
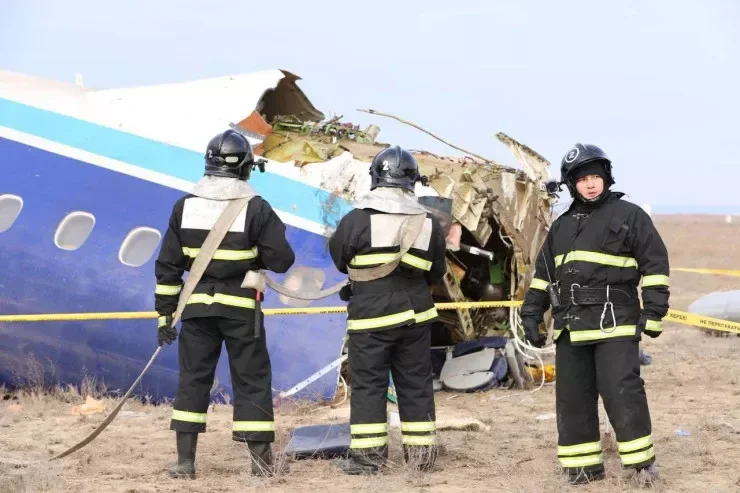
(693, 388)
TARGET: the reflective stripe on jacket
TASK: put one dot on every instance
(614, 245)
(366, 238)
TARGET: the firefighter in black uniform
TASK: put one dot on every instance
(597, 252)
(220, 310)
(388, 318)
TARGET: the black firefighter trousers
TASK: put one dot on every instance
(199, 347)
(405, 352)
(612, 369)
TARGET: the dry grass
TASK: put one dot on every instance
(693, 385)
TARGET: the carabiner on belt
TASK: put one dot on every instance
(610, 306)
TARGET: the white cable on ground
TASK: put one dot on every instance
(346, 393)
(522, 345)
(346, 390)
(515, 323)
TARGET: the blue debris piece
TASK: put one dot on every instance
(467, 347)
(476, 370)
(319, 441)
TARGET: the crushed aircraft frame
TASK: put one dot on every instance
(500, 208)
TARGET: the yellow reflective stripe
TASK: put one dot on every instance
(424, 316)
(161, 321)
(224, 254)
(418, 439)
(224, 299)
(384, 258)
(253, 426)
(633, 445)
(368, 428)
(585, 461)
(188, 416)
(580, 449)
(373, 323)
(637, 457)
(596, 258)
(596, 334)
(417, 262)
(418, 426)
(654, 325)
(538, 284)
(556, 333)
(368, 442)
(655, 280)
(371, 259)
(167, 290)
(396, 318)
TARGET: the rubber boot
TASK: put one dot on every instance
(648, 474)
(420, 457)
(354, 467)
(262, 460)
(364, 462)
(185, 467)
(583, 476)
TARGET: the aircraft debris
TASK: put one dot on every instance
(374, 112)
(498, 219)
(446, 422)
(536, 373)
(91, 406)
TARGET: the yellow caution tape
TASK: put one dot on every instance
(315, 310)
(53, 317)
(685, 318)
(722, 272)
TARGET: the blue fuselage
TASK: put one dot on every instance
(39, 277)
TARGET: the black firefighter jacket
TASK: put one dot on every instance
(256, 240)
(614, 245)
(367, 238)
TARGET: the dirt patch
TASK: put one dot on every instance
(693, 390)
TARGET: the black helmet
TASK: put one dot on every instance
(579, 156)
(229, 154)
(395, 167)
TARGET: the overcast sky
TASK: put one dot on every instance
(654, 83)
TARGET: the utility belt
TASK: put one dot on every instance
(618, 294)
(575, 295)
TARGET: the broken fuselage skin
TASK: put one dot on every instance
(501, 210)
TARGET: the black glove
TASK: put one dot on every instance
(532, 333)
(346, 292)
(642, 325)
(166, 332)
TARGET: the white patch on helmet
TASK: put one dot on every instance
(572, 155)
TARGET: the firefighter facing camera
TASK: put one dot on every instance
(388, 319)
(588, 271)
(219, 309)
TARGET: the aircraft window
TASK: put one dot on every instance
(139, 246)
(10, 208)
(73, 230)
